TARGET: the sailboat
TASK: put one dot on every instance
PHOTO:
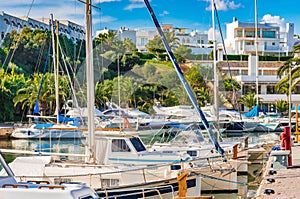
(11, 189)
(232, 182)
(62, 127)
(116, 162)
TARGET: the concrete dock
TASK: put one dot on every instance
(6, 130)
(279, 179)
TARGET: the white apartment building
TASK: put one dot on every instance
(195, 40)
(245, 74)
(121, 34)
(271, 38)
(143, 36)
(9, 22)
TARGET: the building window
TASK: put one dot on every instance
(144, 41)
(239, 33)
(270, 89)
(297, 90)
(269, 34)
(6, 21)
(247, 89)
(250, 34)
(200, 41)
(249, 43)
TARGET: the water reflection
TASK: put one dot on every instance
(72, 146)
(76, 146)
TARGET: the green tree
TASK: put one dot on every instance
(296, 48)
(103, 93)
(109, 42)
(198, 85)
(249, 100)
(156, 47)
(281, 105)
(28, 49)
(148, 70)
(283, 72)
(194, 78)
(203, 96)
(231, 86)
(27, 95)
(10, 83)
(181, 53)
(129, 45)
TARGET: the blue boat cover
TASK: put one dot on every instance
(253, 113)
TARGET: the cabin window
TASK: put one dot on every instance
(175, 167)
(3, 173)
(138, 144)
(119, 146)
(87, 197)
(192, 153)
(110, 182)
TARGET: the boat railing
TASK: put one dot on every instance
(113, 178)
(143, 192)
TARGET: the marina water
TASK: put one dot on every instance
(76, 146)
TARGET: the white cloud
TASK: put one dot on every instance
(134, 4)
(275, 19)
(41, 9)
(210, 35)
(105, 1)
(224, 5)
(136, 1)
(104, 19)
(164, 13)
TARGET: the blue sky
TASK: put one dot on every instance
(192, 14)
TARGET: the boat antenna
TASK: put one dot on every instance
(184, 82)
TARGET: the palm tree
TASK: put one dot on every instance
(283, 72)
(296, 48)
(155, 46)
(103, 92)
(27, 95)
(202, 95)
(9, 84)
(129, 45)
(231, 86)
(281, 105)
(249, 100)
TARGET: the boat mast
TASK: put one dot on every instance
(256, 50)
(183, 80)
(216, 79)
(55, 63)
(90, 82)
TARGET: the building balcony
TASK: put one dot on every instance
(271, 98)
(246, 79)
